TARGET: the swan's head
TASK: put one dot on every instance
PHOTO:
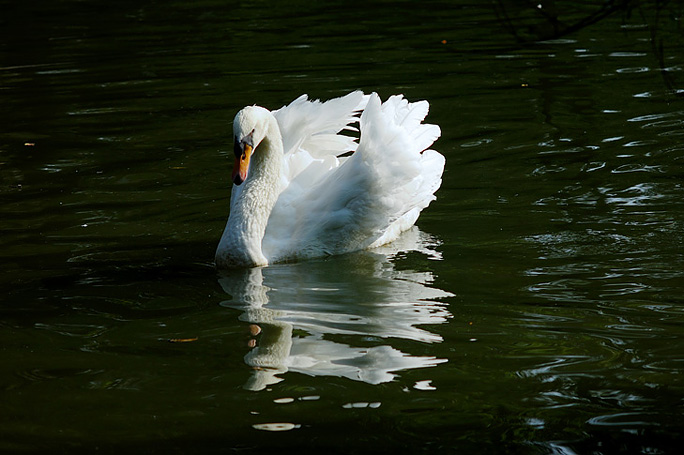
(249, 129)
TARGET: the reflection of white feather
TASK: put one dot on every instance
(306, 196)
(304, 308)
(373, 365)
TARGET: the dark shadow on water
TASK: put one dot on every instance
(121, 284)
(536, 22)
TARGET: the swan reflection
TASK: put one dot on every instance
(301, 311)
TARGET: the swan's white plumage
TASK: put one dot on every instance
(319, 202)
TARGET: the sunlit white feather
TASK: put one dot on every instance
(325, 200)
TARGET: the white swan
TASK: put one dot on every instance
(300, 192)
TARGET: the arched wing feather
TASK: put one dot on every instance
(334, 205)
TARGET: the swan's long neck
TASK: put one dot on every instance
(251, 205)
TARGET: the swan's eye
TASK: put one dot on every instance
(240, 146)
(237, 150)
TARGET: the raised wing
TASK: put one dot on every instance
(334, 205)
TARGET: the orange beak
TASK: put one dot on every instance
(243, 153)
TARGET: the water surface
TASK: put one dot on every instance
(536, 308)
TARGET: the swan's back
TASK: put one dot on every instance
(334, 201)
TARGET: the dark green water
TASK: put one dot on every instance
(537, 308)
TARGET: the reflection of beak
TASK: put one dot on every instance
(243, 153)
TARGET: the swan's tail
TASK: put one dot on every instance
(394, 142)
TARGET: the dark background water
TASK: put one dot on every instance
(538, 307)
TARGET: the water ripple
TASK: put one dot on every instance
(650, 117)
(622, 419)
